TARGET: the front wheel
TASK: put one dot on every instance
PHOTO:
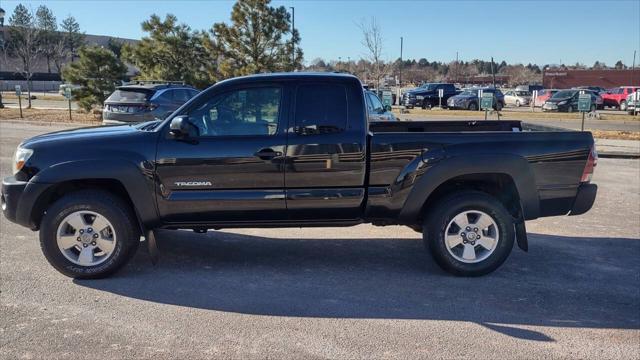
(623, 105)
(473, 106)
(89, 234)
(469, 233)
(570, 109)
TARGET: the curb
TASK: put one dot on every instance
(618, 155)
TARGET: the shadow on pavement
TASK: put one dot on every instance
(562, 281)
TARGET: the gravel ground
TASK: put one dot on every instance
(360, 292)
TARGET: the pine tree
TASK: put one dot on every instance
(48, 35)
(73, 38)
(98, 71)
(260, 39)
(171, 52)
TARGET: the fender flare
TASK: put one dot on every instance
(138, 182)
(516, 167)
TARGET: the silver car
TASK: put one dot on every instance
(517, 98)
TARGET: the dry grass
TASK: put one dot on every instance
(62, 116)
(507, 115)
(616, 135)
(49, 116)
(38, 95)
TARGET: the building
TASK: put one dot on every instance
(42, 79)
(562, 78)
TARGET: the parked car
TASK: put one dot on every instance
(529, 88)
(633, 102)
(617, 97)
(294, 150)
(543, 96)
(144, 101)
(567, 101)
(426, 96)
(469, 100)
(376, 111)
(517, 98)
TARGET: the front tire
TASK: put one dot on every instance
(89, 234)
(623, 105)
(469, 233)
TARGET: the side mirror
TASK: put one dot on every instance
(181, 127)
(387, 107)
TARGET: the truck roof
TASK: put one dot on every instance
(292, 76)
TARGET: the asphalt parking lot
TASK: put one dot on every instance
(360, 292)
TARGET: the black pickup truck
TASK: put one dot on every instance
(428, 95)
(293, 150)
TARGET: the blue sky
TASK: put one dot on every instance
(542, 32)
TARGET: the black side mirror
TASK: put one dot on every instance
(181, 127)
(387, 107)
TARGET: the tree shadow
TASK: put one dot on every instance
(562, 281)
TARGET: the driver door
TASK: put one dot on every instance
(233, 171)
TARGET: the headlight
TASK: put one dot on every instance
(20, 158)
(562, 102)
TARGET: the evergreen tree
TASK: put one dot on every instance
(98, 71)
(259, 39)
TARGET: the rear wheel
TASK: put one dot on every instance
(89, 234)
(469, 233)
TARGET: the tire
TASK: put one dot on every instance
(593, 108)
(426, 105)
(570, 109)
(472, 106)
(441, 220)
(623, 105)
(89, 204)
(517, 103)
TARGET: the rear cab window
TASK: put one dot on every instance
(321, 108)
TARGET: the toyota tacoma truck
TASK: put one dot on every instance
(294, 150)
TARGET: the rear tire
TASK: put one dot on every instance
(464, 249)
(117, 220)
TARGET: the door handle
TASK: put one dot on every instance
(268, 154)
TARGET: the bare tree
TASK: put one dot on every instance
(24, 42)
(372, 41)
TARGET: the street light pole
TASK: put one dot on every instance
(293, 42)
(2, 43)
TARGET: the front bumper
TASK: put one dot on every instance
(19, 199)
(585, 198)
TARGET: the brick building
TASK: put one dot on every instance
(559, 78)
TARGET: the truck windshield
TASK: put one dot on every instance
(563, 94)
(428, 87)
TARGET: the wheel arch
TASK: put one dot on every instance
(508, 177)
(122, 179)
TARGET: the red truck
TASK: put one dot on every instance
(617, 97)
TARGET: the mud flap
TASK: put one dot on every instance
(152, 247)
(521, 235)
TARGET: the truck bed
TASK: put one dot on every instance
(403, 152)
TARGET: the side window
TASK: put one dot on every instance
(321, 108)
(376, 103)
(192, 93)
(165, 96)
(180, 96)
(243, 112)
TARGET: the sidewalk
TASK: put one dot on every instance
(626, 149)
